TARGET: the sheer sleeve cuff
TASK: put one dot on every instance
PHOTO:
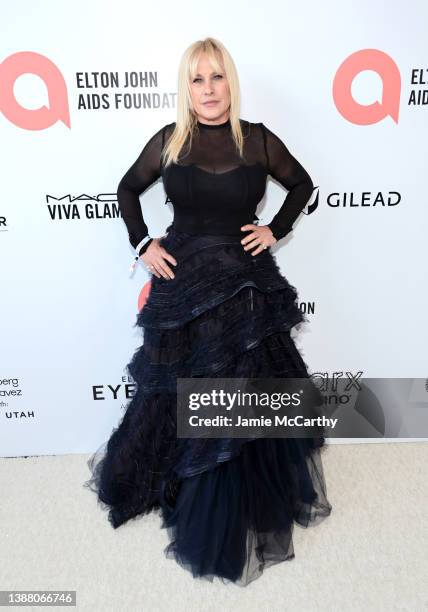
(277, 232)
(143, 245)
(141, 248)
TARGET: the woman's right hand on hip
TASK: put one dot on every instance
(155, 259)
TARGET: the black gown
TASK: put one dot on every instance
(229, 504)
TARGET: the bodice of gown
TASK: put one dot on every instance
(212, 188)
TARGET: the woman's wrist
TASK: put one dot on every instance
(279, 234)
(140, 249)
(144, 247)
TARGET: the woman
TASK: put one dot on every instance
(218, 307)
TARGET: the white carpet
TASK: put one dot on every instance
(371, 553)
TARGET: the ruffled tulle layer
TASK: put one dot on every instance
(235, 520)
(228, 504)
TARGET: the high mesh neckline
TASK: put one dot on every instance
(213, 126)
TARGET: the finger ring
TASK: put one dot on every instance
(265, 246)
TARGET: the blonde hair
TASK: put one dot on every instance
(186, 118)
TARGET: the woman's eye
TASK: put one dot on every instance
(217, 76)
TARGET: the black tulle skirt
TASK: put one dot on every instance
(229, 505)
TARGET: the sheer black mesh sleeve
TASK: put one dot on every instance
(285, 168)
(144, 172)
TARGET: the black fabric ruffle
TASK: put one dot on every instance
(229, 504)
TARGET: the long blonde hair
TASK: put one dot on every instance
(186, 118)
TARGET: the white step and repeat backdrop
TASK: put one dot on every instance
(344, 84)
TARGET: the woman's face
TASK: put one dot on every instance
(210, 93)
